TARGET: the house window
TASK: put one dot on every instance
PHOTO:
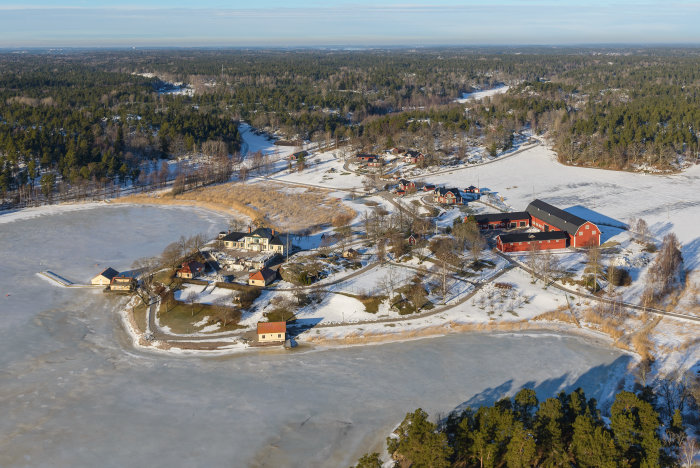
(587, 226)
(279, 335)
(522, 223)
(580, 234)
(592, 232)
(263, 337)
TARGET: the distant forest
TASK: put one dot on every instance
(91, 118)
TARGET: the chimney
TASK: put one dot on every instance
(250, 229)
(273, 232)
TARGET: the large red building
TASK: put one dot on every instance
(558, 228)
(546, 218)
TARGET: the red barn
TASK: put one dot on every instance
(502, 220)
(548, 218)
(524, 241)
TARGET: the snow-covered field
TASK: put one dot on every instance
(479, 95)
(668, 203)
(326, 170)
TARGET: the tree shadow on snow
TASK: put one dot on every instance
(301, 325)
(691, 254)
(598, 382)
(609, 227)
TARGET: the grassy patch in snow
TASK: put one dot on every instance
(139, 314)
(371, 303)
(181, 318)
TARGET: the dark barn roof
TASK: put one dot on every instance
(496, 217)
(532, 236)
(555, 216)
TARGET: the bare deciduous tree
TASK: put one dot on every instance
(171, 256)
(191, 300)
(689, 451)
(224, 313)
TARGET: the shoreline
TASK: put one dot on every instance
(352, 339)
(144, 200)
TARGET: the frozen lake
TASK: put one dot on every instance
(74, 393)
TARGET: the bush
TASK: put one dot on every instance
(590, 283)
(619, 276)
(371, 303)
(301, 273)
(279, 315)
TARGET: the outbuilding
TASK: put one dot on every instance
(272, 332)
(122, 283)
(105, 277)
(518, 219)
(351, 254)
(262, 277)
(524, 241)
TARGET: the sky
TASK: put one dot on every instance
(292, 23)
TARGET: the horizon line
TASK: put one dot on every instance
(322, 46)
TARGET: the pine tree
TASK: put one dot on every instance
(419, 443)
(592, 445)
(635, 425)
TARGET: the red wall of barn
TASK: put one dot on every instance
(585, 236)
(525, 246)
(538, 223)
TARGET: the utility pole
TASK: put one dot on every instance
(444, 282)
(287, 245)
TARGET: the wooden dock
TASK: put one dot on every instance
(66, 283)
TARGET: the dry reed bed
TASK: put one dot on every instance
(270, 205)
(358, 337)
(560, 314)
(607, 325)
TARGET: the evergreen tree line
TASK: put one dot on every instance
(78, 128)
(566, 430)
(89, 119)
